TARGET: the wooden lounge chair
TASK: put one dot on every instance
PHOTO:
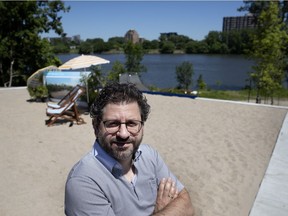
(67, 110)
(65, 99)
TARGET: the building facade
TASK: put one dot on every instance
(132, 36)
(75, 38)
(238, 23)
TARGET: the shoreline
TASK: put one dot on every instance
(281, 103)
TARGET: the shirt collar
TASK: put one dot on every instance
(137, 155)
(112, 165)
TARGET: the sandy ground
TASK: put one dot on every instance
(220, 151)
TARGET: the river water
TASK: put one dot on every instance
(229, 72)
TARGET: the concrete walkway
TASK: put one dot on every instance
(272, 197)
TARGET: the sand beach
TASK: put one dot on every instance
(219, 150)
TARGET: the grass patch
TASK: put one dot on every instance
(227, 94)
(235, 95)
(242, 95)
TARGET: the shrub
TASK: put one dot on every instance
(39, 92)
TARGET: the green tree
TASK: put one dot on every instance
(201, 85)
(233, 41)
(246, 40)
(134, 54)
(98, 45)
(215, 43)
(202, 47)
(22, 50)
(172, 41)
(269, 47)
(116, 43)
(93, 82)
(237, 41)
(167, 47)
(149, 45)
(184, 73)
(192, 47)
(117, 69)
(154, 44)
(179, 41)
(60, 45)
(86, 47)
(256, 7)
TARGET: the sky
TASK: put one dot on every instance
(106, 19)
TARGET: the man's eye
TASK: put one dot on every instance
(131, 124)
(112, 124)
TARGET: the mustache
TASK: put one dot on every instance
(121, 140)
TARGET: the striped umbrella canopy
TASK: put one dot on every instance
(83, 61)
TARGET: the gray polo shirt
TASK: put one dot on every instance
(96, 186)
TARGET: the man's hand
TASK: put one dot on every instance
(172, 202)
(166, 193)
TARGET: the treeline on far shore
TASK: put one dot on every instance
(233, 42)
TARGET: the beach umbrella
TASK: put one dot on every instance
(83, 61)
(36, 79)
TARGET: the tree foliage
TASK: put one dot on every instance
(22, 50)
(117, 69)
(96, 45)
(184, 73)
(201, 85)
(85, 48)
(134, 54)
(269, 46)
(167, 47)
(216, 42)
(238, 42)
(256, 7)
(60, 45)
(95, 81)
(116, 43)
(150, 45)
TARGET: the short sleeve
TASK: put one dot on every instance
(84, 197)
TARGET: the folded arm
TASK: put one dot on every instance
(171, 202)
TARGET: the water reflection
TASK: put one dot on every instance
(218, 71)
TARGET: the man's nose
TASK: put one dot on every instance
(123, 132)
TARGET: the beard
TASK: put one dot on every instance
(122, 154)
(120, 149)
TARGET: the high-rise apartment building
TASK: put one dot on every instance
(132, 35)
(238, 23)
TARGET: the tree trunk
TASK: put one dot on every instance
(2, 74)
(258, 99)
(11, 73)
(272, 100)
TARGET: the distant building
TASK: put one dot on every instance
(238, 23)
(168, 34)
(76, 39)
(133, 36)
(54, 40)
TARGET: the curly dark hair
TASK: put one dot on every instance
(117, 93)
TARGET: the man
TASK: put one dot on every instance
(120, 176)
